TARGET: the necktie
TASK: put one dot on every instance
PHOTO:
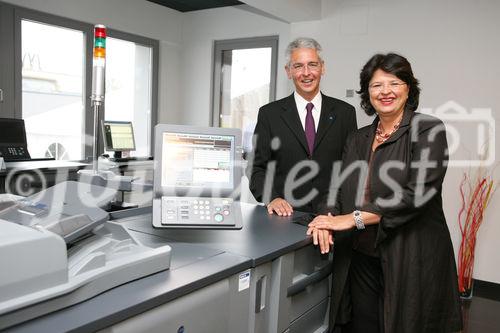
(310, 129)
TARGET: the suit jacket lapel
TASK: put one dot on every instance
(326, 120)
(290, 116)
(364, 146)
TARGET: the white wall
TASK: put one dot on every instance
(454, 50)
(138, 17)
(199, 30)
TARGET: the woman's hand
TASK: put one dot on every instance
(333, 223)
(322, 227)
(323, 238)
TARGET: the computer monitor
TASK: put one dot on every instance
(197, 161)
(118, 136)
(13, 145)
(197, 177)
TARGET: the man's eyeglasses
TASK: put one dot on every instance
(377, 87)
(313, 66)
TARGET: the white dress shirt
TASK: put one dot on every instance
(301, 107)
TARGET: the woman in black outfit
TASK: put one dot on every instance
(394, 267)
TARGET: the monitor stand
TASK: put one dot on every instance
(118, 154)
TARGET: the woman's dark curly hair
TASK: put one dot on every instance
(393, 64)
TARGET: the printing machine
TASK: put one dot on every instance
(67, 265)
(128, 276)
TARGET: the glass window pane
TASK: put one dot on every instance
(52, 90)
(128, 89)
(246, 79)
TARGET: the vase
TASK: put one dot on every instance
(467, 293)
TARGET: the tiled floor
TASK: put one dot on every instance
(481, 315)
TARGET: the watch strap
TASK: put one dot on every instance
(358, 220)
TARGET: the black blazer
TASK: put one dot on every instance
(280, 150)
(413, 241)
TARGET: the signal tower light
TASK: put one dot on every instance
(98, 85)
(98, 64)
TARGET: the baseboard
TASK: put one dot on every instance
(486, 289)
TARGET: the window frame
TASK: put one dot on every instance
(11, 53)
(6, 57)
(58, 21)
(219, 46)
(155, 54)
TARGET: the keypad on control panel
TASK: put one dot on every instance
(196, 210)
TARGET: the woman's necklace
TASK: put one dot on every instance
(379, 133)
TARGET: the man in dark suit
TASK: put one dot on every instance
(299, 137)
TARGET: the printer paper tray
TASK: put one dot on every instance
(126, 261)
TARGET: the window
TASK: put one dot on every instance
(129, 88)
(53, 90)
(46, 79)
(244, 80)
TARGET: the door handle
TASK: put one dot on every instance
(1, 95)
(312, 278)
(260, 294)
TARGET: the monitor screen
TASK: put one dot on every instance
(118, 135)
(12, 132)
(197, 160)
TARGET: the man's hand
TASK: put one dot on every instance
(279, 206)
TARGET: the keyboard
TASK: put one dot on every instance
(128, 159)
(197, 211)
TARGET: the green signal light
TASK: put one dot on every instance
(100, 42)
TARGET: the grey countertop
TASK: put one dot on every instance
(263, 237)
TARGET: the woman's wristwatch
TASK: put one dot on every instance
(358, 220)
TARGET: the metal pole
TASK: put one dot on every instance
(95, 150)
(98, 86)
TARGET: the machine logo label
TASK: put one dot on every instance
(244, 280)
